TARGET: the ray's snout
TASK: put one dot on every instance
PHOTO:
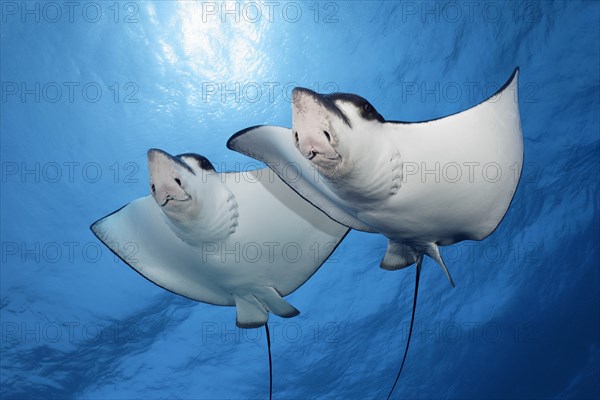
(300, 93)
(311, 126)
(165, 177)
(152, 153)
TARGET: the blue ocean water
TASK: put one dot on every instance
(88, 87)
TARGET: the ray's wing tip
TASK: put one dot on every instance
(231, 142)
(513, 80)
(515, 74)
(94, 227)
(514, 77)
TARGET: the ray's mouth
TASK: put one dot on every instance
(320, 156)
(170, 198)
(325, 161)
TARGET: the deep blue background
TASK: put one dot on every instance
(523, 321)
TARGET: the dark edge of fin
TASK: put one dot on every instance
(503, 87)
(230, 141)
(270, 362)
(94, 227)
(412, 322)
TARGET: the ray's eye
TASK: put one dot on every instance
(328, 136)
(367, 107)
(153, 188)
(296, 137)
(178, 181)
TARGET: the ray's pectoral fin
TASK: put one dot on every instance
(253, 309)
(401, 255)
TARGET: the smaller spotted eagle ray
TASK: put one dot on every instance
(242, 239)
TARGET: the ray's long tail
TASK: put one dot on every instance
(412, 322)
(270, 362)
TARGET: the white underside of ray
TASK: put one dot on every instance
(459, 173)
(280, 241)
(459, 176)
